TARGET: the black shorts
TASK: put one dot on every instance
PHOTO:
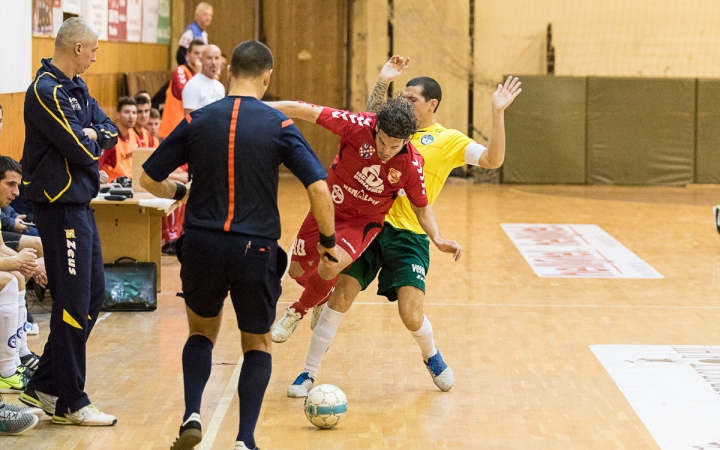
(11, 239)
(249, 267)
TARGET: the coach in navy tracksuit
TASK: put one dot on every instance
(65, 134)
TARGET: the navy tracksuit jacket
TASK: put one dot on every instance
(60, 177)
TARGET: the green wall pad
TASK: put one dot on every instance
(545, 128)
(707, 163)
(641, 131)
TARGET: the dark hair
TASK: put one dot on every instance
(142, 98)
(155, 114)
(124, 101)
(430, 89)
(7, 164)
(250, 59)
(194, 43)
(397, 118)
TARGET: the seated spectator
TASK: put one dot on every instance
(153, 125)
(144, 138)
(17, 362)
(117, 161)
(12, 220)
(203, 88)
(173, 112)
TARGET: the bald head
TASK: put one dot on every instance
(211, 59)
(73, 31)
(203, 14)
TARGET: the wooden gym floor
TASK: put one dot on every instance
(525, 377)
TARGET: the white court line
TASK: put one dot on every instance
(103, 317)
(209, 437)
(532, 305)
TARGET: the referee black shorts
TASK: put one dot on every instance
(249, 267)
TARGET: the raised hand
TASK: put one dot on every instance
(393, 68)
(505, 94)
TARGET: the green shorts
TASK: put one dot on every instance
(402, 258)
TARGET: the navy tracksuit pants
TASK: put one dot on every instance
(76, 279)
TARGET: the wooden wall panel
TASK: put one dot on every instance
(310, 59)
(233, 22)
(13, 135)
(369, 44)
(104, 80)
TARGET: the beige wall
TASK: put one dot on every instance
(646, 38)
(432, 34)
(638, 38)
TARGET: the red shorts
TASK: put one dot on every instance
(353, 235)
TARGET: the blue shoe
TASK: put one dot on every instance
(300, 387)
(442, 375)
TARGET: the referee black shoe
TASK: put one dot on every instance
(190, 434)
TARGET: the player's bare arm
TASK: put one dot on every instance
(321, 205)
(391, 70)
(298, 110)
(165, 189)
(428, 222)
(503, 97)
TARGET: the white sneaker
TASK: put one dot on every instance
(88, 416)
(442, 375)
(317, 310)
(32, 329)
(240, 445)
(301, 386)
(285, 327)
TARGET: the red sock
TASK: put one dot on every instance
(315, 292)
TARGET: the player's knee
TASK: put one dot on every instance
(295, 271)
(5, 278)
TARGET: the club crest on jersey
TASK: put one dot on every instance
(394, 176)
(427, 139)
(366, 151)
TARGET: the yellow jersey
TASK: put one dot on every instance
(443, 150)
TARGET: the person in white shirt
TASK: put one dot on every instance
(203, 88)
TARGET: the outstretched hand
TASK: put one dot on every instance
(393, 68)
(449, 246)
(505, 94)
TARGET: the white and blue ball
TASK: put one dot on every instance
(325, 405)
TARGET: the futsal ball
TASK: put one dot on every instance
(325, 405)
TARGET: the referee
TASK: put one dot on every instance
(234, 148)
(65, 134)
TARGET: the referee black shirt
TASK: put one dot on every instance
(234, 148)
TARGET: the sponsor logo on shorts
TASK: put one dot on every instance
(420, 271)
(360, 193)
(349, 245)
(298, 248)
(394, 176)
(427, 139)
(337, 194)
(370, 179)
(366, 150)
(70, 234)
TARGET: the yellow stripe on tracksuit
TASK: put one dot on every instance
(65, 124)
(68, 319)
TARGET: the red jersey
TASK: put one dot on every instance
(361, 184)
